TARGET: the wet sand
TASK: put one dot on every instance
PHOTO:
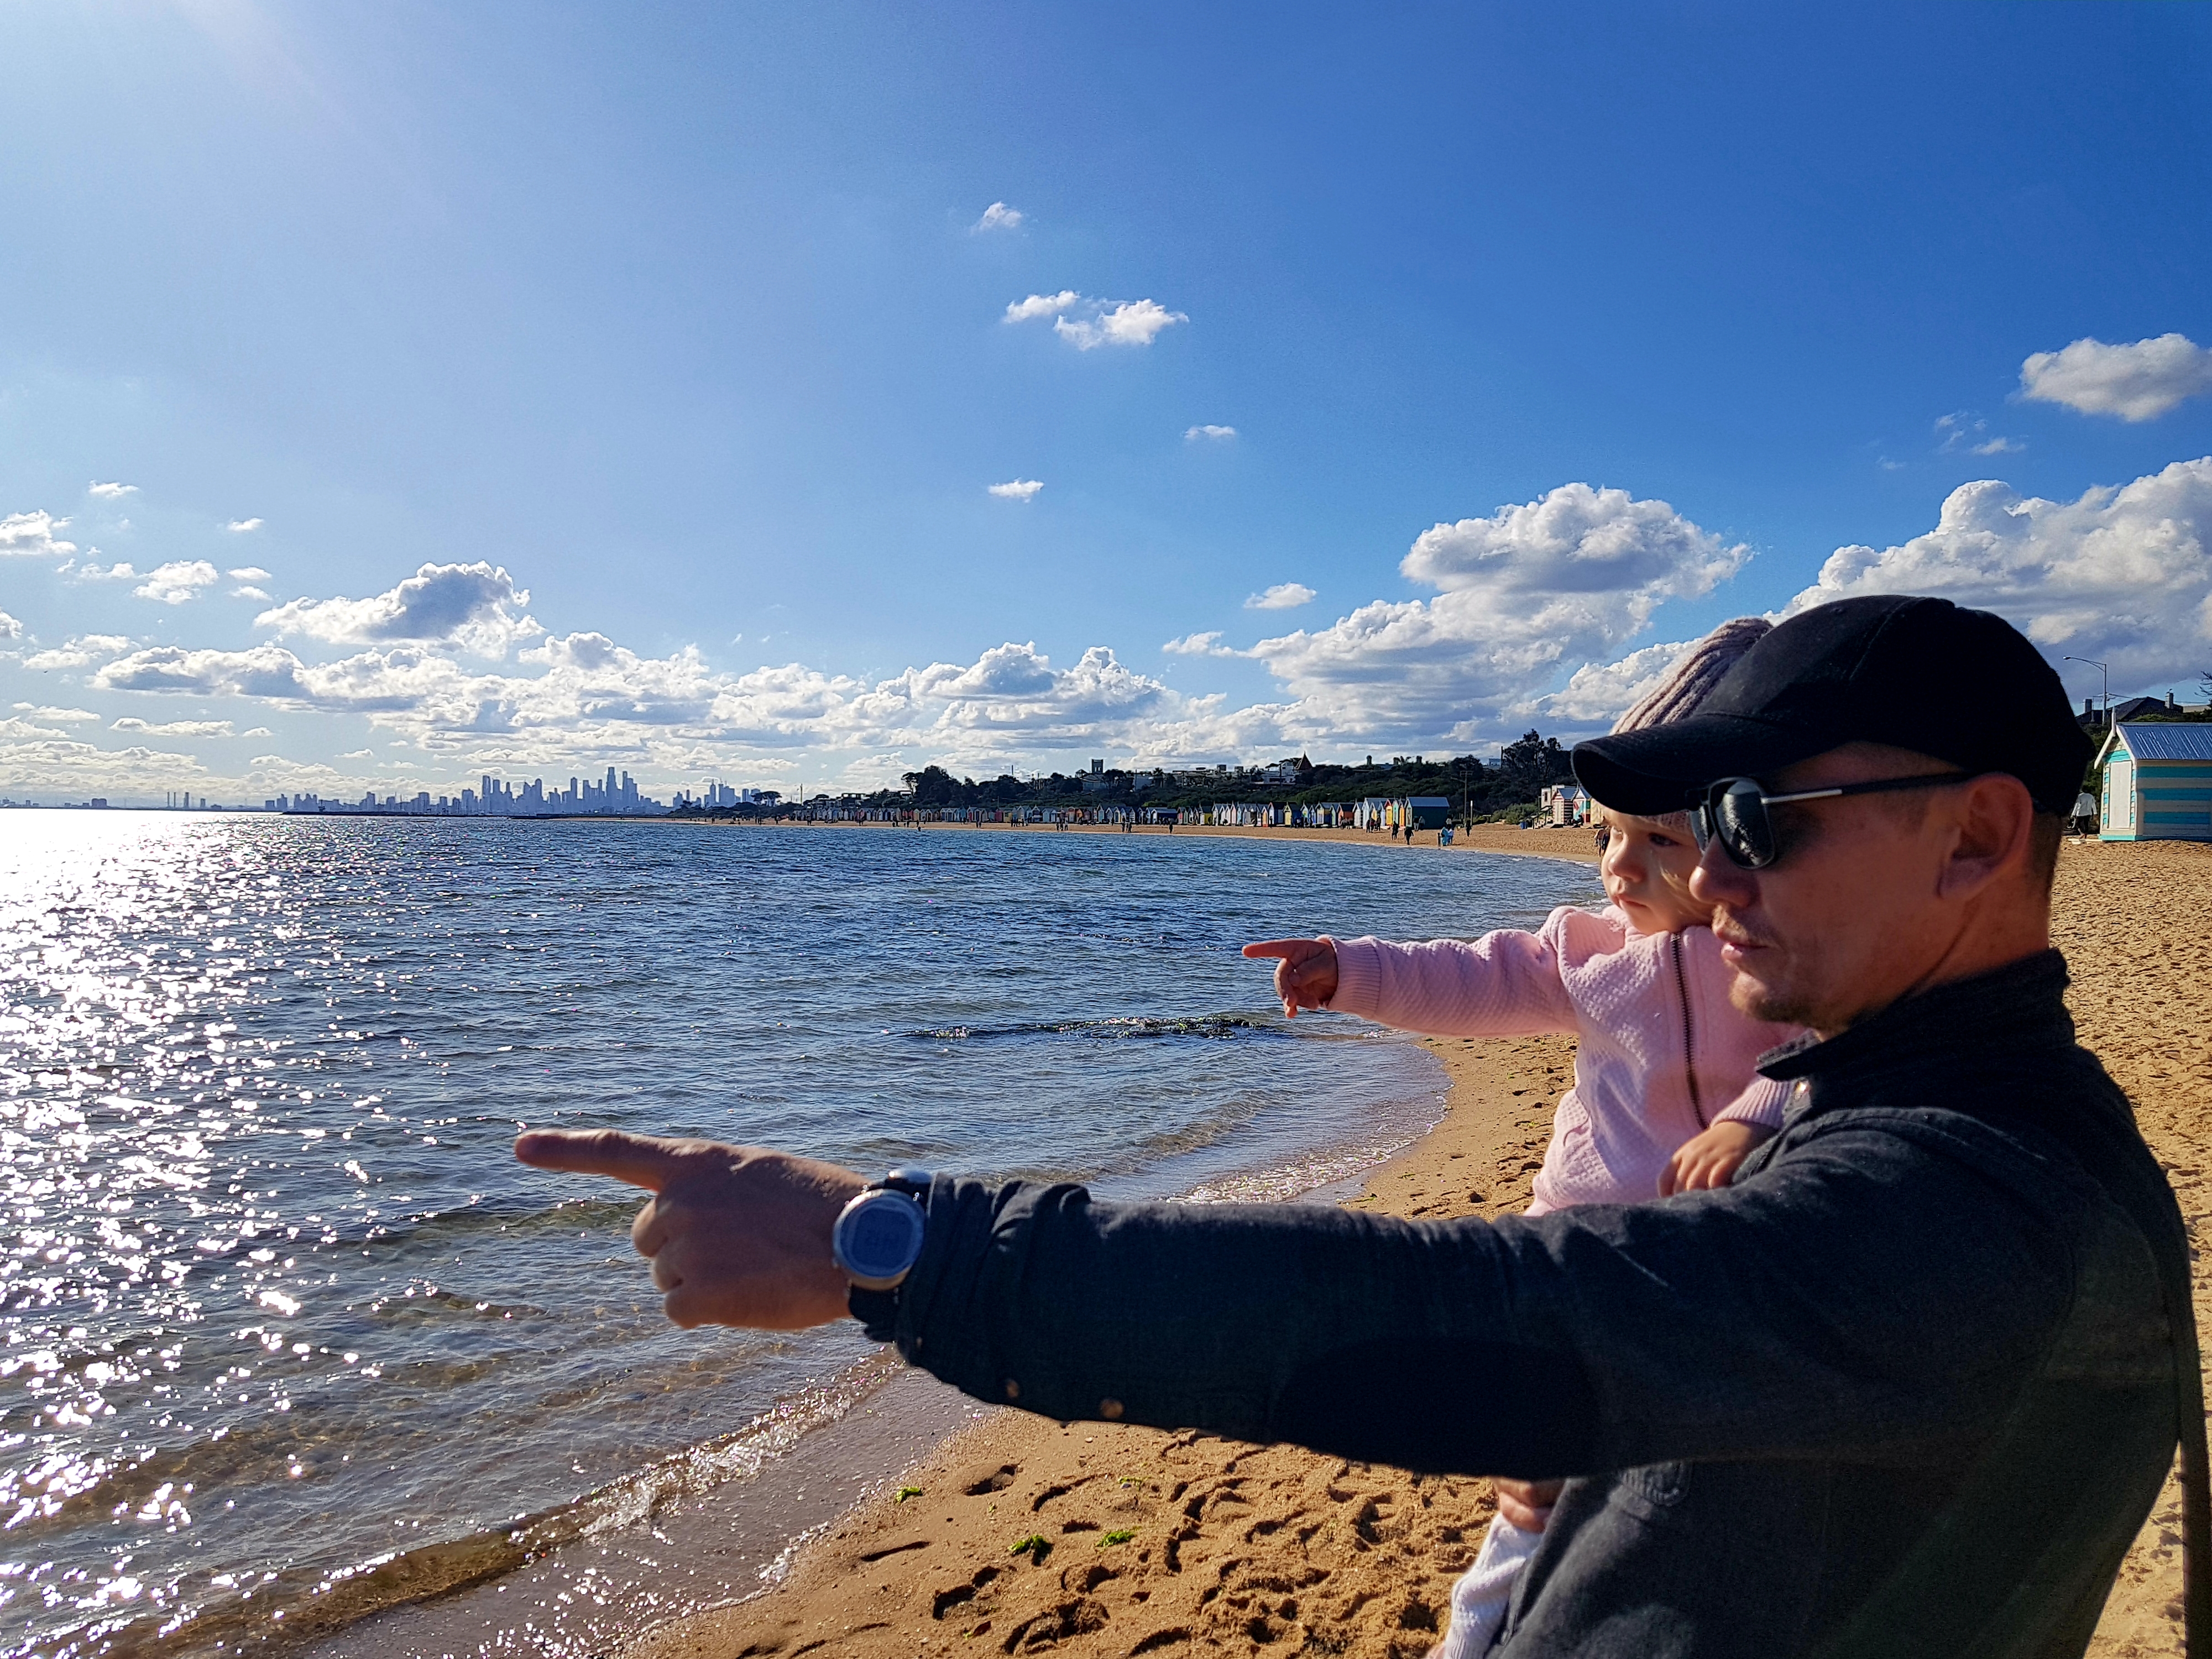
(1187, 1543)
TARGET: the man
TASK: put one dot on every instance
(1909, 1386)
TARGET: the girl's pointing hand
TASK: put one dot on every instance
(1305, 971)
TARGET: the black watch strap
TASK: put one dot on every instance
(878, 1310)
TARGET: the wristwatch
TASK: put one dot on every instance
(876, 1241)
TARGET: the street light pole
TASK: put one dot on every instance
(2107, 674)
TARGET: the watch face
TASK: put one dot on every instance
(879, 1237)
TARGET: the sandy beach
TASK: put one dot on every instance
(1094, 1539)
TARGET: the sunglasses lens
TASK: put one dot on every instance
(1745, 830)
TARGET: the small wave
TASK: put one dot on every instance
(399, 1237)
(1212, 1028)
(297, 1608)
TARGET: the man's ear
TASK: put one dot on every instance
(1993, 819)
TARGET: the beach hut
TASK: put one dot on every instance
(2155, 782)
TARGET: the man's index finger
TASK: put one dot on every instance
(644, 1161)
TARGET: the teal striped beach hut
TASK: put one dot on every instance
(2157, 782)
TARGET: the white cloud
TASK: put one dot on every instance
(173, 728)
(1041, 305)
(79, 652)
(240, 526)
(257, 732)
(1283, 596)
(249, 591)
(1100, 322)
(2136, 382)
(31, 535)
(73, 716)
(1595, 694)
(263, 670)
(1216, 434)
(108, 492)
(1207, 644)
(247, 573)
(37, 761)
(999, 217)
(9, 628)
(1565, 579)
(1020, 490)
(177, 580)
(121, 571)
(1131, 323)
(473, 605)
(1961, 431)
(2121, 575)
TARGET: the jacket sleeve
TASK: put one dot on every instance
(1504, 984)
(1855, 1297)
(1762, 1102)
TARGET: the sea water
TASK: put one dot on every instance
(290, 1336)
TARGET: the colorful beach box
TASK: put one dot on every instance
(2155, 782)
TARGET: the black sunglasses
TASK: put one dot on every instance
(1735, 810)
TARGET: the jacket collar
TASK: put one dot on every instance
(1966, 1022)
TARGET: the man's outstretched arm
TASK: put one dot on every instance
(1857, 1296)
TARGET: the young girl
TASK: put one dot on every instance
(1664, 1100)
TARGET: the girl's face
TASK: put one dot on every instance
(1646, 865)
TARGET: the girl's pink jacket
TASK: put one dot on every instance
(1660, 1052)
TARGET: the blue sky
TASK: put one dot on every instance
(1543, 338)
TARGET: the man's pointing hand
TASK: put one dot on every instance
(737, 1235)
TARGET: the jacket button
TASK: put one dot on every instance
(1110, 1409)
(1013, 1389)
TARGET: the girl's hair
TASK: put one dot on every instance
(1692, 678)
(1689, 682)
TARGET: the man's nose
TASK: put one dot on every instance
(1719, 879)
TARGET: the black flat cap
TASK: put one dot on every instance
(1924, 674)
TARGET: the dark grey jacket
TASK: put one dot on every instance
(1908, 1386)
